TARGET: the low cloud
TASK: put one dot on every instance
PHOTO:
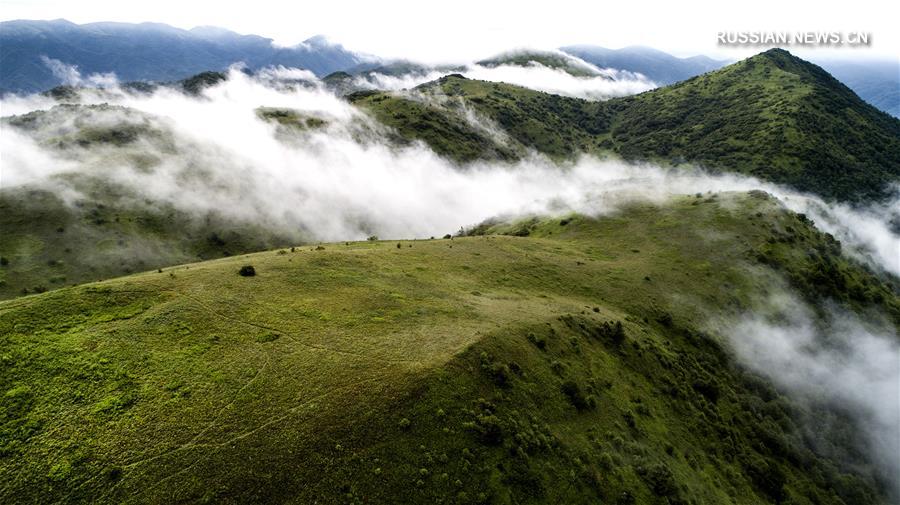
(70, 76)
(841, 361)
(592, 83)
(607, 84)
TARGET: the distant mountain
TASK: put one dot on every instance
(660, 67)
(145, 51)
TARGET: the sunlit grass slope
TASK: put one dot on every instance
(569, 361)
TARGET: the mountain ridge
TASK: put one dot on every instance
(147, 52)
(754, 117)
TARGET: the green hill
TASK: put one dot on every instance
(557, 126)
(570, 361)
(773, 116)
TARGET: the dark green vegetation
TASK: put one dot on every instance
(569, 361)
(772, 116)
(194, 85)
(290, 119)
(556, 126)
(71, 125)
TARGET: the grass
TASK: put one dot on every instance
(482, 369)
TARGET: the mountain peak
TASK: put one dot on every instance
(809, 73)
(810, 147)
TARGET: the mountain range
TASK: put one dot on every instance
(158, 52)
(147, 51)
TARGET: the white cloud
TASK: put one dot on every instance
(70, 76)
(841, 361)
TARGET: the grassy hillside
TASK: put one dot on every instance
(557, 126)
(773, 116)
(567, 362)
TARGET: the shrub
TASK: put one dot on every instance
(629, 419)
(767, 476)
(498, 372)
(247, 271)
(268, 337)
(708, 388)
(404, 424)
(539, 342)
(576, 396)
(488, 428)
(611, 331)
(660, 479)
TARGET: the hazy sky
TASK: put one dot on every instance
(469, 29)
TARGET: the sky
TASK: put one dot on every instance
(463, 30)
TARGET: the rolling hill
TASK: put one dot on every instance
(551, 360)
